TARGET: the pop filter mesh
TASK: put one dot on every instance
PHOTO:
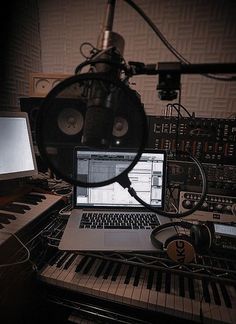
(89, 111)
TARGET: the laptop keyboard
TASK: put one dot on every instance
(119, 220)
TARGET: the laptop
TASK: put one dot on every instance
(107, 218)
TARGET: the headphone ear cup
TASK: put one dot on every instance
(180, 248)
(200, 236)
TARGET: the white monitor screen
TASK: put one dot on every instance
(17, 158)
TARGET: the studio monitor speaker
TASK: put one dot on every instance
(64, 127)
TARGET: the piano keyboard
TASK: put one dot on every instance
(16, 215)
(193, 298)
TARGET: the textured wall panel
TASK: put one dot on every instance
(20, 50)
(202, 31)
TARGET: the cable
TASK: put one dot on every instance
(93, 51)
(233, 209)
(169, 105)
(182, 107)
(158, 32)
(83, 64)
(125, 183)
(24, 246)
(180, 57)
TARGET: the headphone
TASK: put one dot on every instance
(183, 248)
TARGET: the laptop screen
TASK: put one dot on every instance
(147, 178)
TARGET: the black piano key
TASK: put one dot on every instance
(38, 196)
(206, 294)
(226, 297)
(100, 268)
(216, 295)
(159, 280)
(89, 265)
(63, 259)
(167, 282)
(81, 263)
(181, 286)
(191, 288)
(33, 198)
(150, 279)
(108, 269)
(55, 258)
(4, 220)
(70, 261)
(137, 276)
(9, 216)
(13, 209)
(116, 271)
(23, 206)
(129, 274)
(28, 200)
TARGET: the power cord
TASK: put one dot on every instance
(125, 183)
(24, 246)
(159, 34)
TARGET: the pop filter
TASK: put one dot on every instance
(95, 112)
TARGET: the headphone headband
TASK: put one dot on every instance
(161, 227)
(198, 240)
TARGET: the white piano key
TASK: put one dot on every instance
(61, 277)
(53, 271)
(204, 307)
(215, 309)
(129, 289)
(71, 274)
(78, 274)
(20, 221)
(122, 286)
(188, 304)
(170, 300)
(57, 270)
(178, 300)
(141, 296)
(196, 302)
(153, 295)
(84, 278)
(161, 300)
(92, 278)
(232, 294)
(106, 284)
(112, 291)
(99, 281)
(224, 311)
(48, 270)
(144, 297)
(137, 291)
(24, 219)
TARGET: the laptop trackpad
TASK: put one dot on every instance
(121, 239)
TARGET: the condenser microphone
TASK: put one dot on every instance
(101, 107)
(98, 126)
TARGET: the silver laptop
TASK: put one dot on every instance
(107, 218)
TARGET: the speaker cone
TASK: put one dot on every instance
(120, 127)
(70, 121)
